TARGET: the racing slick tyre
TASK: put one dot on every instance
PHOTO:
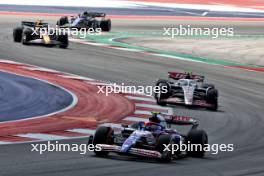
(26, 36)
(62, 21)
(64, 40)
(165, 139)
(103, 135)
(205, 86)
(212, 98)
(17, 34)
(197, 137)
(105, 25)
(159, 96)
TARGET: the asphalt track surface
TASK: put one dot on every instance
(23, 97)
(238, 121)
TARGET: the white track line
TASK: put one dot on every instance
(10, 62)
(113, 125)
(151, 106)
(3, 142)
(42, 136)
(77, 77)
(127, 49)
(141, 98)
(41, 69)
(136, 119)
(142, 112)
(82, 130)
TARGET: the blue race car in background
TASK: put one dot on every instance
(148, 139)
(86, 20)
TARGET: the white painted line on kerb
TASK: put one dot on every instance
(77, 77)
(113, 125)
(41, 69)
(128, 49)
(205, 13)
(151, 106)
(141, 98)
(143, 112)
(82, 130)
(3, 142)
(85, 42)
(42, 136)
(136, 119)
(10, 62)
(101, 84)
(95, 44)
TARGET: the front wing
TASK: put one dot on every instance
(132, 151)
(175, 100)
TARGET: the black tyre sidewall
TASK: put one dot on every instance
(166, 155)
(103, 136)
(197, 137)
(106, 25)
(17, 34)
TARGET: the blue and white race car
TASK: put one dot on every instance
(152, 139)
(86, 20)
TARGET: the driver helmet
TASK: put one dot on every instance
(85, 13)
(188, 75)
(39, 23)
(155, 118)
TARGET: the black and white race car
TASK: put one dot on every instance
(39, 33)
(188, 90)
(86, 20)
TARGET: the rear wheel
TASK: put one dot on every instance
(212, 99)
(103, 135)
(198, 139)
(105, 25)
(62, 21)
(64, 40)
(17, 34)
(165, 139)
(163, 93)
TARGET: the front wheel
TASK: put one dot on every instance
(17, 34)
(103, 135)
(27, 36)
(198, 139)
(165, 139)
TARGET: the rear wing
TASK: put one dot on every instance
(177, 76)
(181, 120)
(95, 14)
